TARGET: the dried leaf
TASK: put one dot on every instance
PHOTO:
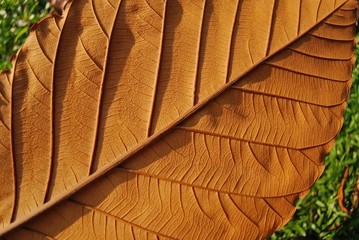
(58, 5)
(179, 119)
(341, 195)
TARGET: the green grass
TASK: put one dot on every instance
(317, 213)
(16, 17)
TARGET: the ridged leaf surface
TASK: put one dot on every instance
(176, 119)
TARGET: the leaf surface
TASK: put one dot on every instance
(178, 119)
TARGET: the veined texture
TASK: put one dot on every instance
(179, 119)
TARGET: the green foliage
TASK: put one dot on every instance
(16, 18)
(318, 215)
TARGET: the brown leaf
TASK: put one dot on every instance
(58, 5)
(341, 195)
(179, 119)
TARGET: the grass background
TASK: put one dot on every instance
(319, 215)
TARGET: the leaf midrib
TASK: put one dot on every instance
(143, 144)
